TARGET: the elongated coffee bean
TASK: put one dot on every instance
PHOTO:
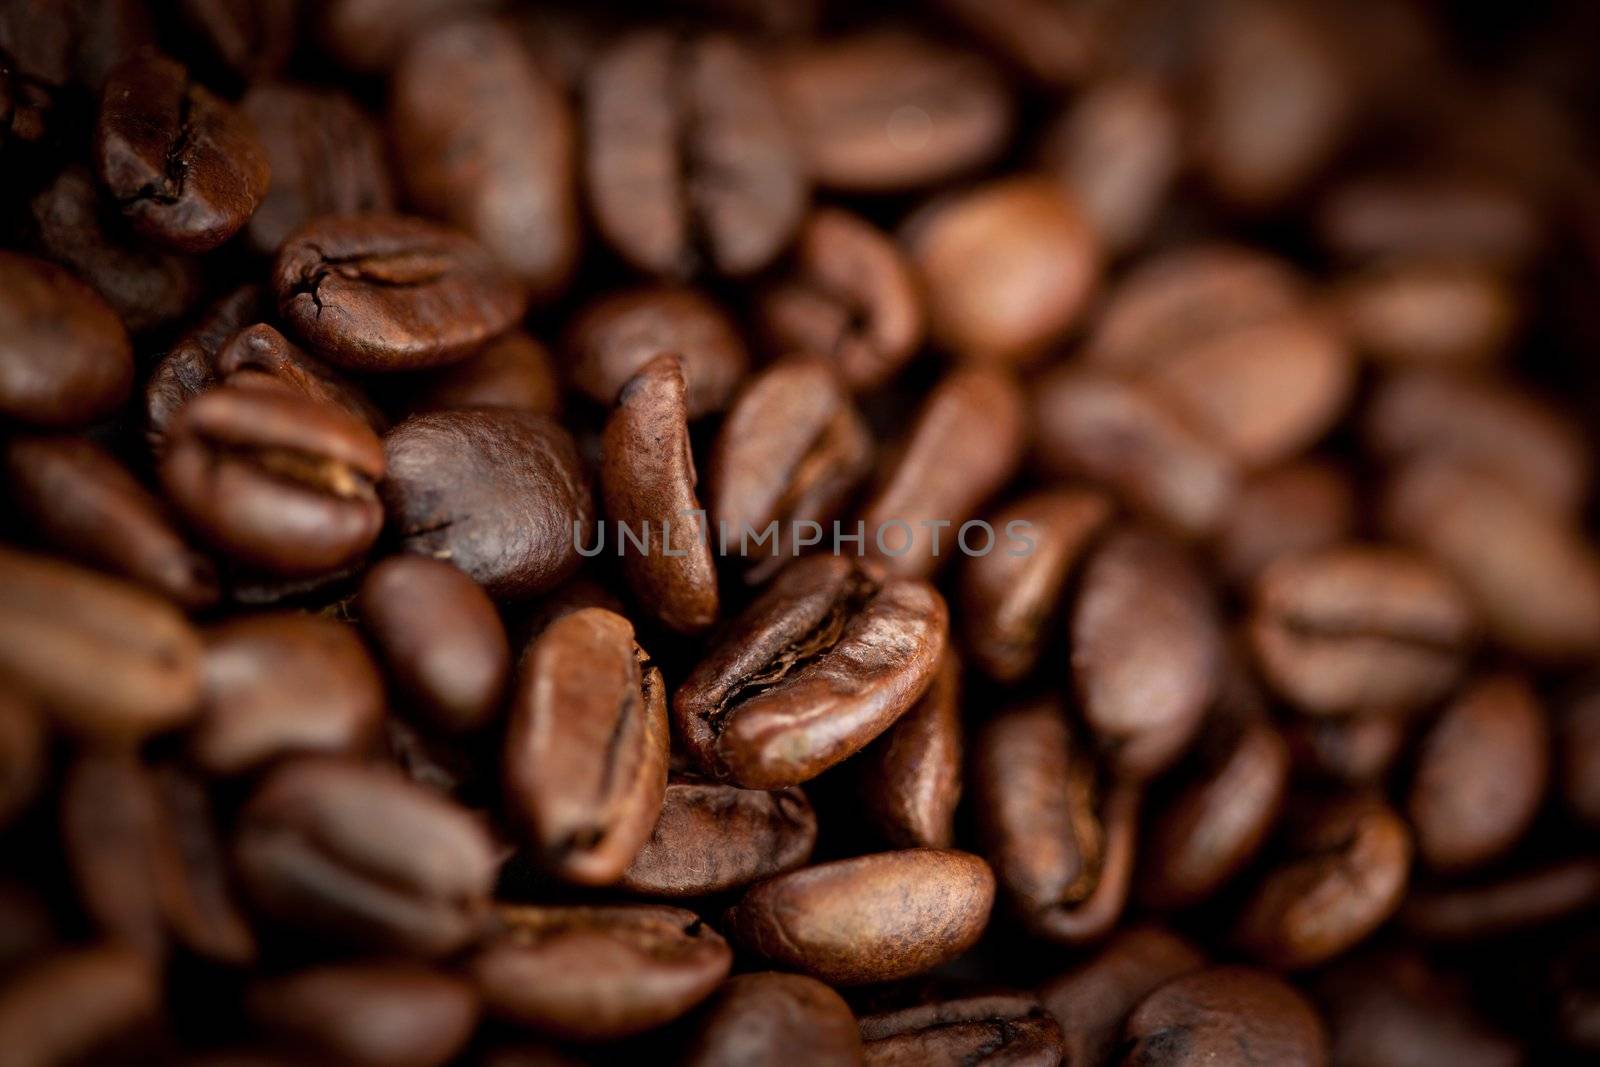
(65, 359)
(961, 1027)
(782, 1020)
(911, 776)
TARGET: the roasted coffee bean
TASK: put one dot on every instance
(252, 39)
(1434, 312)
(68, 1004)
(829, 656)
(275, 481)
(84, 503)
(850, 296)
(982, 1026)
(1355, 749)
(1092, 1001)
(27, 932)
(586, 752)
(890, 111)
(1578, 748)
(189, 368)
(512, 371)
(1343, 872)
(597, 973)
(1051, 44)
(440, 639)
(870, 919)
(647, 481)
(359, 855)
(384, 1014)
(1515, 901)
(497, 154)
(1359, 629)
(967, 442)
(782, 1020)
(911, 776)
(261, 357)
(60, 44)
(499, 493)
(187, 169)
(120, 854)
(327, 157)
(1063, 854)
(278, 684)
(65, 360)
(107, 660)
(391, 292)
(198, 902)
(790, 452)
(1289, 510)
(1225, 1015)
(1146, 650)
(23, 741)
(1394, 216)
(710, 838)
(689, 165)
(368, 36)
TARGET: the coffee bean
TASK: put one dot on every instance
(911, 776)
(252, 39)
(118, 849)
(1389, 216)
(198, 901)
(1052, 45)
(512, 371)
(1092, 1001)
(1221, 1014)
(1288, 510)
(981, 1026)
(367, 36)
(22, 754)
(64, 358)
(783, 1020)
(68, 1004)
(1514, 901)
(1355, 750)
(259, 356)
(1436, 312)
(189, 367)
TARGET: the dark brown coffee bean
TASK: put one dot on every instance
(1436, 312)
(966, 443)
(27, 929)
(198, 901)
(890, 111)
(981, 1027)
(911, 776)
(187, 169)
(117, 848)
(60, 44)
(1578, 748)
(597, 973)
(275, 480)
(77, 497)
(850, 297)
(65, 360)
(647, 481)
(512, 371)
(378, 1014)
(68, 1004)
(360, 855)
(279, 684)
(1063, 853)
(499, 493)
(1343, 872)
(1394, 216)
(189, 368)
(497, 154)
(1357, 750)
(23, 741)
(439, 637)
(1225, 1015)
(871, 919)
(1051, 44)
(107, 660)
(1519, 900)
(1291, 509)
(710, 838)
(327, 155)
(823, 662)
(1005, 308)
(586, 752)
(391, 292)
(252, 39)
(1359, 629)
(1146, 650)
(1092, 1001)
(790, 452)
(782, 1020)
(259, 356)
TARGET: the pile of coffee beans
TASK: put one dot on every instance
(767, 532)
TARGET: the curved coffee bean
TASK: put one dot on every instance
(1398, 216)
(187, 169)
(118, 849)
(391, 292)
(1092, 1001)
(850, 297)
(1225, 1015)
(791, 450)
(911, 776)
(261, 357)
(512, 371)
(68, 1004)
(274, 480)
(597, 973)
(782, 1020)
(1053, 45)
(647, 481)
(1118, 434)
(1063, 854)
(198, 902)
(23, 752)
(711, 837)
(823, 662)
(1343, 872)
(252, 39)
(1520, 900)
(586, 753)
(360, 855)
(107, 660)
(1359, 629)
(977, 1027)
(967, 442)
(1007, 267)
(368, 36)
(1578, 748)
(440, 638)
(394, 1014)
(1529, 572)
(1436, 312)
(87, 505)
(1482, 769)
(1146, 650)
(892, 111)
(1295, 508)
(871, 919)
(278, 684)
(1355, 750)
(189, 367)
(689, 164)
(497, 154)
(497, 492)
(65, 359)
